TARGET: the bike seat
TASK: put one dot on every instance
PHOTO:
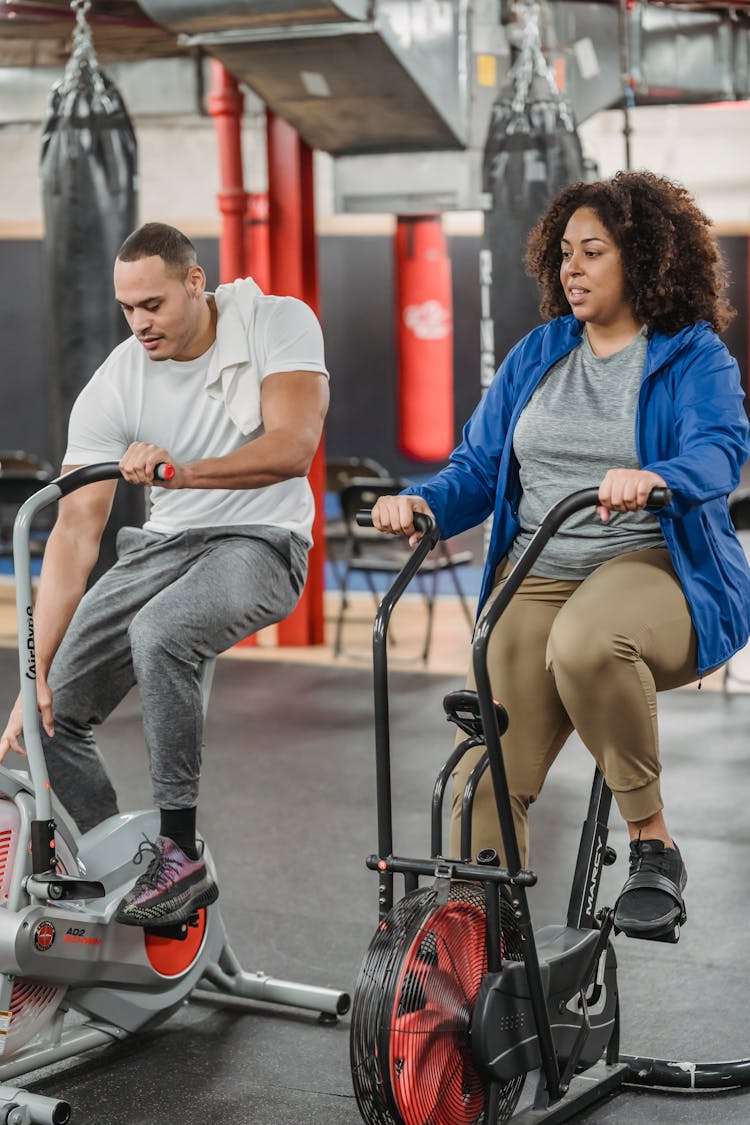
(462, 708)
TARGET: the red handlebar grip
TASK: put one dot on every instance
(164, 471)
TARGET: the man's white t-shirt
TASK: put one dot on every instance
(178, 406)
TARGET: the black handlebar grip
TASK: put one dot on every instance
(659, 498)
(423, 523)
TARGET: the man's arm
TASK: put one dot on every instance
(69, 557)
(293, 408)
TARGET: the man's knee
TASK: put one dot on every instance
(150, 638)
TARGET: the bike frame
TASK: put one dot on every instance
(593, 852)
(114, 986)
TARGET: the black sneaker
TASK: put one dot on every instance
(651, 905)
(170, 890)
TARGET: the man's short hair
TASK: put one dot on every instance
(158, 240)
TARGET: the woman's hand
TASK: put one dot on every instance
(626, 490)
(395, 515)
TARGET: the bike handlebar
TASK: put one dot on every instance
(106, 470)
(430, 536)
(49, 494)
(555, 517)
(422, 522)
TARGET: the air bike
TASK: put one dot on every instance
(458, 998)
(60, 949)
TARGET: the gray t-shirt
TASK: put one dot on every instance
(578, 423)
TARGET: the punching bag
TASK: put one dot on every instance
(532, 151)
(88, 174)
(424, 304)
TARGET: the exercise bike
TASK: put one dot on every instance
(60, 949)
(458, 999)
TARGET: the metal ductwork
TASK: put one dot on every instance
(401, 91)
(689, 56)
(351, 76)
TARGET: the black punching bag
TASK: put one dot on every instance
(532, 151)
(88, 173)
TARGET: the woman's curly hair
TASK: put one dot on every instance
(674, 272)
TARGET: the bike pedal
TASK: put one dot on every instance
(176, 932)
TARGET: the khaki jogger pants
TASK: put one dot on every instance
(588, 656)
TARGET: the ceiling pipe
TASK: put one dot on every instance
(225, 104)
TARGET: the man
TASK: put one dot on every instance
(232, 389)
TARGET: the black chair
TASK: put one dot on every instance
(340, 473)
(21, 475)
(369, 553)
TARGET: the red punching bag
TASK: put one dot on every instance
(424, 305)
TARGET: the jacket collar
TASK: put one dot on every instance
(565, 333)
(663, 349)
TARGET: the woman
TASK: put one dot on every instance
(629, 385)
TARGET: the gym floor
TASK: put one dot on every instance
(288, 808)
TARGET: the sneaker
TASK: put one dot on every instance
(171, 888)
(651, 903)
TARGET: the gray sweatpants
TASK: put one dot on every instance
(169, 603)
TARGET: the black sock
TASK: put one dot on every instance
(179, 825)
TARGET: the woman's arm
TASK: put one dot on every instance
(711, 431)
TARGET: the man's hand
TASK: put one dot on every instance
(626, 490)
(140, 461)
(9, 740)
(395, 514)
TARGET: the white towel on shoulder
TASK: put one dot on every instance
(233, 372)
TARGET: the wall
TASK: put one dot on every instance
(704, 147)
(356, 274)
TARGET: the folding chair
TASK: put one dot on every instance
(369, 553)
(339, 475)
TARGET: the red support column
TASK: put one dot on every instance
(225, 104)
(317, 475)
(285, 207)
(294, 273)
(257, 244)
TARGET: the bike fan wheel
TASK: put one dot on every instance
(411, 1017)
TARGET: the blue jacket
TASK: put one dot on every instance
(690, 427)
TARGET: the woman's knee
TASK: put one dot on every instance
(579, 647)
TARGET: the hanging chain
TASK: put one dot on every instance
(531, 62)
(83, 53)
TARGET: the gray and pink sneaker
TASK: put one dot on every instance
(171, 888)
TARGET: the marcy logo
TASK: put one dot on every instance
(590, 900)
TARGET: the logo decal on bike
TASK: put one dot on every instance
(44, 936)
(78, 936)
(31, 672)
